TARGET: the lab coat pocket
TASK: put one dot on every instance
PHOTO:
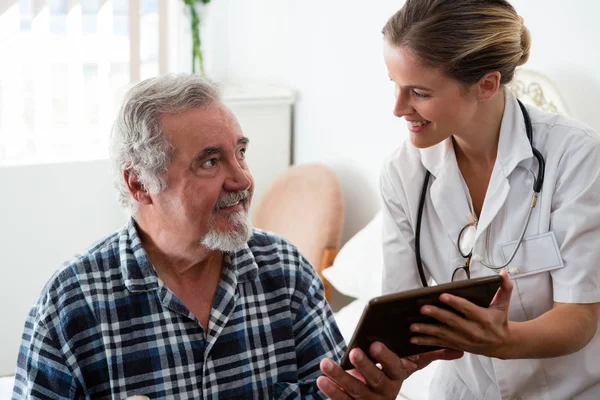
(536, 254)
(530, 271)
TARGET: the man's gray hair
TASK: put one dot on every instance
(138, 143)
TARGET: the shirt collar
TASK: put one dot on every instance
(243, 263)
(513, 145)
(139, 274)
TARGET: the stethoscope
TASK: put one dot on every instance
(537, 187)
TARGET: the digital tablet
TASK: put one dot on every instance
(387, 319)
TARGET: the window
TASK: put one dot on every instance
(65, 65)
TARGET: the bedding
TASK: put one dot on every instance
(357, 269)
(6, 386)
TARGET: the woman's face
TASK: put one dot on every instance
(434, 106)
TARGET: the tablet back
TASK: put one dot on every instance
(387, 318)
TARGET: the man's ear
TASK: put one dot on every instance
(488, 85)
(136, 188)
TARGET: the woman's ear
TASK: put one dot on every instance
(136, 188)
(488, 85)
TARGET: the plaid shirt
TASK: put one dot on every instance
(106, 327)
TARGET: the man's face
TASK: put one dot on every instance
(209, 186)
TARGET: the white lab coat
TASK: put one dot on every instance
(559, 259)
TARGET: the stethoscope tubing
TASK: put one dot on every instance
(537, 187)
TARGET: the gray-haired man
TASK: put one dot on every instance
(187, 300)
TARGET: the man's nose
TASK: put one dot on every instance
(239, 179)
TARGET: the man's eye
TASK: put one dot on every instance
(242, 153)
(210, 163)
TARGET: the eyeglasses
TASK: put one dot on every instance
(465, 244)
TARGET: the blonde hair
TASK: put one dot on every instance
(465, 38)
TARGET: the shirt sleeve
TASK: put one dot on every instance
(399, 263)
(42, 372)
(316, 335)
(575, 220)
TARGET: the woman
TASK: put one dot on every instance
(468, 174)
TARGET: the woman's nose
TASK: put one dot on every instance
(401, 106)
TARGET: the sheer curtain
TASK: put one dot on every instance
(64, 67)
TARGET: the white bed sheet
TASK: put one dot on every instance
(416, 387)
(6, 386)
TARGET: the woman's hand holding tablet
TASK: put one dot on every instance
(455, 321)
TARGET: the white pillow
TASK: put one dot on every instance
(6, 387)
(357, 270)
(348, 316)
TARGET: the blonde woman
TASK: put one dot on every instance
(486, 186)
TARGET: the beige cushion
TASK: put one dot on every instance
(304, 205)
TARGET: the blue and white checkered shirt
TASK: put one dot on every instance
(106, 327)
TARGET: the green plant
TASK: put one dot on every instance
(197, 58)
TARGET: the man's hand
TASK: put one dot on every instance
(368, 381)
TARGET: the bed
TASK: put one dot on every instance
(6, 385)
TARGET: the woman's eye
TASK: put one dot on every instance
(420, 95)
(210, 163)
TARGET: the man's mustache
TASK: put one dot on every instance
(230, 198)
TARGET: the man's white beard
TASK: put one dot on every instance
(229, 241)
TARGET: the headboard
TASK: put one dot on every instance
(536, 89)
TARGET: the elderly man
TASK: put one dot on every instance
(187, 301)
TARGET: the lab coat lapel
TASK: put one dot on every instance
(496, 195)
(513, 147)
(447, 195)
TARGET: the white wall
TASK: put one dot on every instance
(47, 214)
(330, 52)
